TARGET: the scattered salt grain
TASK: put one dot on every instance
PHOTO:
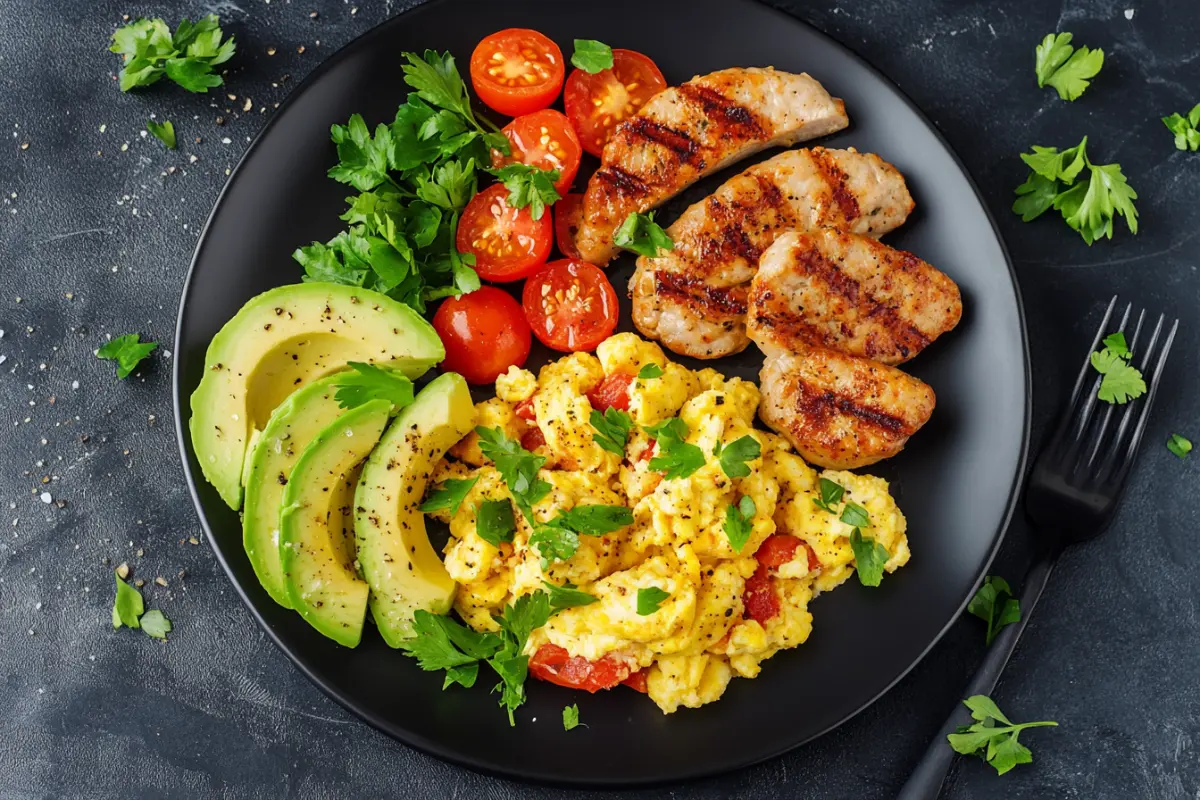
(46, 498)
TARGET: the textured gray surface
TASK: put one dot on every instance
(96, 240)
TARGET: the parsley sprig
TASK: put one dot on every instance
(739, 522)
(733, 456)
(558, 539)
(994, 604)
(649, 598)
(993, 737)
(641, 234)
(1186, 129)
(611, 429)
(676, 458)
(128, 351)
(529, 186)
(449, 495)
(869, 555)
(150, 51)
(517, 466)
(1069, 71)
(364, 382)
(1088, 207)
(1122, 381)
(592, 56)
(163, 131)
(1179, 445)
(129, 610)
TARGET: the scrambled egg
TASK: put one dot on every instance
(703, 633)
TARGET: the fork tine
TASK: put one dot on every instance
(1098, 437)
(1064, 424)
(1130, 451)
(1077, 419)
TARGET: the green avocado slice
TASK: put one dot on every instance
(322, 583)
(282, 340)
(296, 422)
(394, 553)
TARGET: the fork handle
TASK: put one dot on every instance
(925, 783)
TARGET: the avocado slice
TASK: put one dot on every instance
(278, 342)
(322, 585)
(394, 553)
(296, 422)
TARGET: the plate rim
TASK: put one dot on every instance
(457, 758)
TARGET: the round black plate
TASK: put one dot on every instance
(956, 483)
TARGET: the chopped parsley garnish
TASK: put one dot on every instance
(676, 458)
(641, 234)
(592, 56)
(128, 605)
(558, 539)
(529, 186)
(449, 495)
(127, 351)
(733, 456)
(155, 623)
(994, 604)
(1186, 129)
(612, 429)
(517, 466)
(993, 737)
(553, 543)
(1179, 445)
(494, 521)
(188, 57)
(568, 596)
(869, 558)
(855, 515)
(365, 382)
(1088, 207)
(649, 599)
(164, 132)
(1058, 64)
(571, 717)
(831, 495)
(739, 522)
(1122, 381)
(650, 371)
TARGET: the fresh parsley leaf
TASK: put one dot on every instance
(362, 159)
(592, 56)
(641, 234)
(739, 522)
(1058, 64)
(127, 351)
(676, 458)
(1122, 381)
(553, 543)
(568, 596)
(831, 494)
(464, 675)
(436, 79)
(527, 613)
(513, 670)
(1186, 129)
(128, 605)
(993, 737)
(649, 599)
(366, 382)
(1035, 197)
(1179, 445)
(855, 515)
(869, 558)
(733, 456)
(595, 520)
(164, 132)
(449, 495)
(154, 623)
(992, 606)
(571, 717)
(441, 643)
(1116, 343)
(517, 466)
(649, 372)
(529, 186)
(188, 58)
(494, 521)
(611, 429)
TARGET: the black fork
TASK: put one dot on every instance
(1071, 496)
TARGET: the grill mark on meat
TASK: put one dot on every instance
(838, 182)
(740, 229)
(729, 116)
(817, 407)
(623, 183)
(698, 293)
(678, 143)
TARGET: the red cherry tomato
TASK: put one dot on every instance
(637, 681)
(516, 71)
(567, 215)
(778, 549)
(546, 140)
(597, 103)
(484, 333)
(570, 305)
(532, 439)
(524, 409)
(508, 243)
(759, 597)
(553, 664)
(613, 392)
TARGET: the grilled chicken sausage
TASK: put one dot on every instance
(686, 132)
(693, 298)
(841, 411)
(849, 293)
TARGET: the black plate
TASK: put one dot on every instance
(956, 483)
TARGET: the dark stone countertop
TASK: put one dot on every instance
(98, 223)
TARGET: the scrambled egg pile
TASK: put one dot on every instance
(702, 634)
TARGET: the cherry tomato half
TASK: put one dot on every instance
(508, 243)
(759, 597)
(567, 214)
(570, 305)
(637, 681)
(780, 548)
(546, 140)
(516, 71)
(613, 392)
(553, 664)
(484, 333)
(597, 103)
